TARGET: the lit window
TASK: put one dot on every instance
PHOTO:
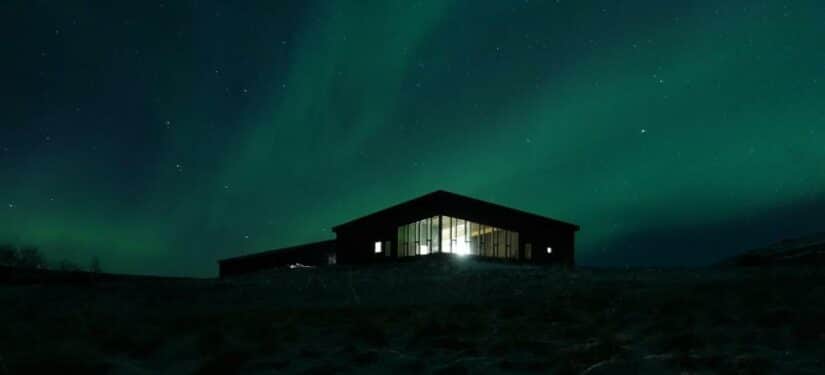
(549, 250)
(378, 247)
(424, 249)
(462, 248)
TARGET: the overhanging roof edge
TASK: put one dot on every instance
(275, 251)
(449, 195)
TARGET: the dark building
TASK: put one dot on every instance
(437, 223)
(315, 253)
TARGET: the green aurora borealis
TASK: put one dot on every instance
(164, 136)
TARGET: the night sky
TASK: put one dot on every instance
(162, 136)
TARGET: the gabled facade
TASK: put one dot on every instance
(436, 223)
(444, 222)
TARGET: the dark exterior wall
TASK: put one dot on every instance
(358, 244)
(312, 254)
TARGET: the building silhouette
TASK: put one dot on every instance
(440, 222)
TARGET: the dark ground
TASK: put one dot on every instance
(453, 317)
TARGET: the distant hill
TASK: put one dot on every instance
(807, 250)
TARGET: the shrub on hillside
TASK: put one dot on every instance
(9, 255)
(67, 265)
(25, 257)
(30, 257)
(94, 265)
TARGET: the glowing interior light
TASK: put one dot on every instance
(377, 247)
(424, 249)
(549, 250)
(463, 248)
(299, 265)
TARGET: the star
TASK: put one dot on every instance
(643, 131)
(11, 205)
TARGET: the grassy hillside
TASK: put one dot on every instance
(807, 250)
(424, 317)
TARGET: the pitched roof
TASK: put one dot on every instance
(443, 195)
(284, 251)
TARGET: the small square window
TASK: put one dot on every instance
(378, 247)
(549, 250)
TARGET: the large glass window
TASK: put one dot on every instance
(418, 238)
(456, 236)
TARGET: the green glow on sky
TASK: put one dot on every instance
(673, 134)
